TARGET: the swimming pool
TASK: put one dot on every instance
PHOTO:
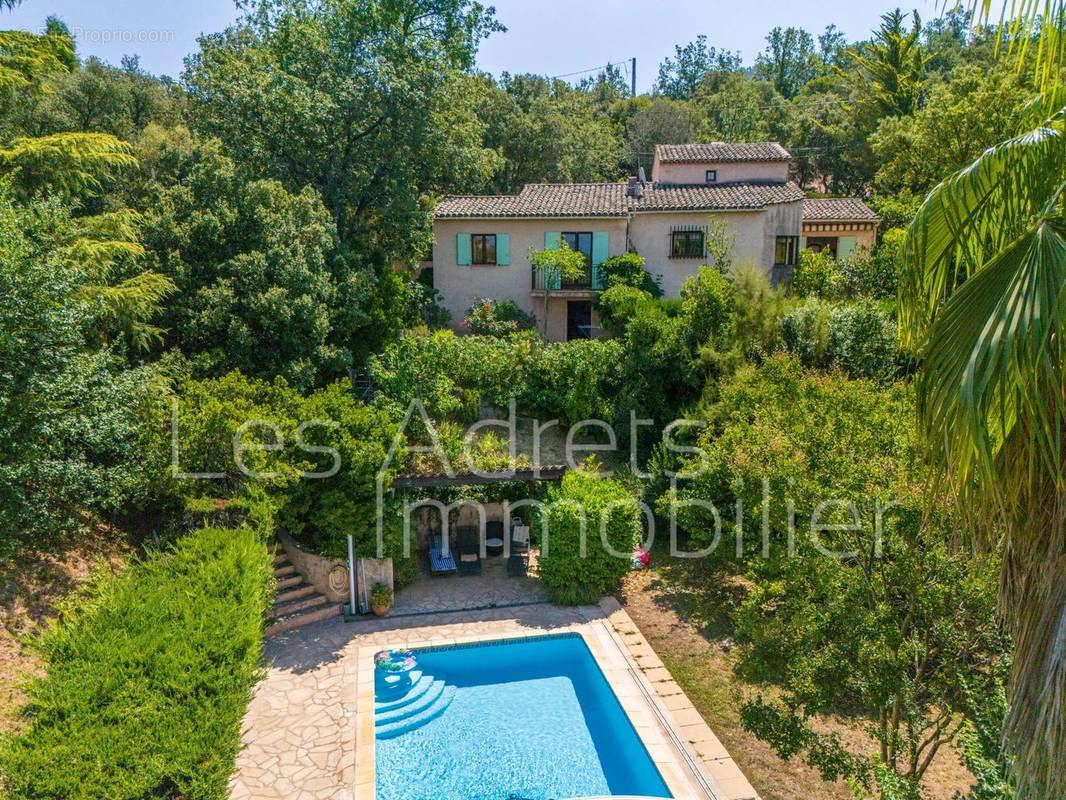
(521, 719)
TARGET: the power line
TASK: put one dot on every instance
(590, 69)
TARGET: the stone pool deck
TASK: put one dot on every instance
(309, 730)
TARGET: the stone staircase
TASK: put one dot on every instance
(416, 702)
(297, 603)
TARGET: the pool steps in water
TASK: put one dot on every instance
(425, 699)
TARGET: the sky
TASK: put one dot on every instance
(552, 37)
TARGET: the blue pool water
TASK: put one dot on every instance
(526, 719)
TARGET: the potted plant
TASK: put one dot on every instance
(381, 599)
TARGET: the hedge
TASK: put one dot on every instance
(570, 577)
(148, 678)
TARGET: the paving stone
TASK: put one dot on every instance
(304, 740)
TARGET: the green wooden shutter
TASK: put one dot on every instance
(462, 249)
(503, 249)
(845, 244)
(600, 243)
(551, 242)
(803, 243)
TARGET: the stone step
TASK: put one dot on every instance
(289, 582)
(395, 696)
(294, 594)
(284, 570)
(299, 604)
(300, 618)
(400, 726)
(280, 556)
(416, 706)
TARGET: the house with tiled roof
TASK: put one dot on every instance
(839, 225)
(482, 241)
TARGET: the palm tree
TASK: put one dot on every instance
(983, 299)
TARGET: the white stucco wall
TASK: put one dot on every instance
(728, 171)
(460, 286)
(753, 234)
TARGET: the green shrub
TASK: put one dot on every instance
(874, 274)
(148, 678)
(817, 275)
(707, 302)
(452, 375)
(857, 337)
(488, 317)
(628, 270)
(573, 578)
(618, 305)
(574, 380)
(319, 511)
(659, 372)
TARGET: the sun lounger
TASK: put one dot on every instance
(468, 547)
(440, 563)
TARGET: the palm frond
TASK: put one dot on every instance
(1025, 23)
(983, 300)
(974, 214)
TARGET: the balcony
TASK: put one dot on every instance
(586, 284)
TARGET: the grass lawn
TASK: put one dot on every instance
(683, 608)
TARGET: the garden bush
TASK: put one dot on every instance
(659, 370)
(619, 304)
(628, 270)
(488, 317)
(874, 274)
(707, 302)
(148, 678)
(574, 380)
(817, 275)
(452, 375)
(318, 511)
(573, 578)
(858, 337)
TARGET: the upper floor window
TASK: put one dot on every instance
(483, 248)
(712, 175)
(785, 249)
(686, 244)
(581, 242)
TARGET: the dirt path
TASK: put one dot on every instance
(683, 611)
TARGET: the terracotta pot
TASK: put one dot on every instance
(380, 609)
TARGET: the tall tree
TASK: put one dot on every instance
(789, 60)
(983, 299)
(893, 66)
(680, 76)
(965, 114)
(660, 121)
(357, 98)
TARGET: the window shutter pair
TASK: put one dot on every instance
(464, 251)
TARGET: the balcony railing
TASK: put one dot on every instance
(590, 281)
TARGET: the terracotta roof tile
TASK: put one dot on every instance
(838, 209)
(610, 199)
(721, 151)
(542, 200)
(715, 197)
